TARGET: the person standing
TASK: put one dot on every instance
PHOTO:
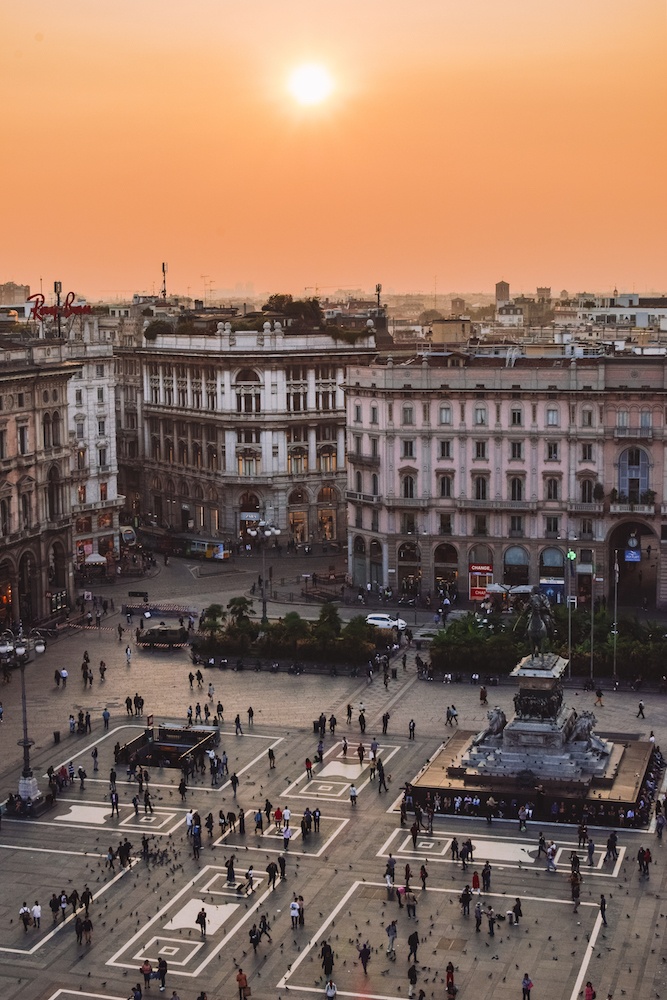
(330, 990)
(413, 941)
(486, 878)
(162, 972)
(603, 909)
(517, 911)
(365, 956)
(353, 795)
(36, 914)
(242, 982)
(392, 934)
(526, 986)
(412, 980)
(294, 913)
(201, 920)
(411, 729)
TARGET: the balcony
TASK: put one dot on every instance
(522, 505)
(76, 475)
(407, 503)
(367, 461)
(632, 508)
(585, 508)
(97, 505)
(362, 497)
(517, 533)
(632, 433)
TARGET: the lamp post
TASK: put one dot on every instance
(592, 613)
(265, 531)
(17, 648)
(571, 558)
(615, 628)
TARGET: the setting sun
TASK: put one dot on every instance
(310, 84)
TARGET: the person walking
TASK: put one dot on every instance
(603, 909)
(201, 921)
(412, 980)
(36, 914)
(640, 713)
(353, 795)
(598, 698)
(517, 911)
(364, 956)
(413, 941)
(330, 990)
(526, 986)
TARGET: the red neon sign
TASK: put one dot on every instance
(41, 311)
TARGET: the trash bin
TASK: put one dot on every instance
(316, 725)
(56, 736)
(394, 673)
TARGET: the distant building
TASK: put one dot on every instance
(509, 315)
(12, 294)
(502, 294)
(458, 306)
(543, 294)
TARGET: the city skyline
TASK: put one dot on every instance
(441, 152)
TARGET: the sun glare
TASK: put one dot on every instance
(310, 84)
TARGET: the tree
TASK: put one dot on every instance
(240, 609)
(296, 629)
(428, 316)
(213, 620)
(158, 328)
(329, 623)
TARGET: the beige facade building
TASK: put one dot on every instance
(35, 507)
(469, 470)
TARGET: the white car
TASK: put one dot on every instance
(386, 621)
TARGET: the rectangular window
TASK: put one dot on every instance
(99, 371)
(375, 447)
(408, 524)
(426, 414)
(356, 441)
(23, 440)
(480, 449)
(480, 416)
(553, 489)
(445, 524)
(480, 525)
(101, 457)
(100, 395)
(408, 416)
(408, 448)
(552, 451)
(104, 491)
(78, 397)
(80, 430)
(516, 526)
(3, 444)
(446, 415)
(586, 418)
(516, 450)
(586, 528)
(552, 526)
(587, 452)
(445, 449)
(516, 416)
(358, 517)
(446, 487)
(21, 399)
(357, 413)
(645, 420)
(375, 520)
(101, 426)
(552, 417)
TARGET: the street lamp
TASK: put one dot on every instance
(571, 558)
(265, 531)
(17, 649)
(615, 628)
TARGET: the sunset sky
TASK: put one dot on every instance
(463, 141)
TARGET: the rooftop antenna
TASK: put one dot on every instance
(164, 282)
(378, 292)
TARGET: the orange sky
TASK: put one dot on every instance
(466, 140)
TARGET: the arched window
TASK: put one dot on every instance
(633, 473)
(375, 485)
(587, 490)
(516, 488)
(358, 482)
(182, 453)
(481, 487)
(46, 430)
(408, 487)
(55, 430)
(622, 418)
(5, 516)
(54, 495)
(156, 484)
(374, 414)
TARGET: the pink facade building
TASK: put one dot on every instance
(468, 470)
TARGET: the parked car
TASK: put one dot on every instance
(386, 621)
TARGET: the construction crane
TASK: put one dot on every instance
(316, 288)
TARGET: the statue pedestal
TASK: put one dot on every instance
(28, 788)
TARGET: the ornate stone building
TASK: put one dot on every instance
(469, 470)
(237, 426)
(35, 507)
